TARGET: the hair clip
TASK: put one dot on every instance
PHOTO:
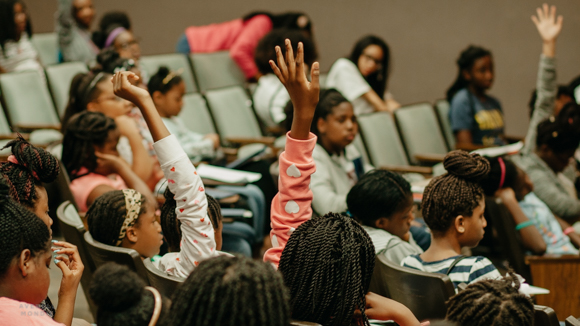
(172, 75)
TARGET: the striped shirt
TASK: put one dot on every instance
(467, 270)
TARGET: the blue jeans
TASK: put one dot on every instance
(237, 237)
(256, 203)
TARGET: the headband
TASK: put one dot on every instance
(92, 85)
(133, 207)
(12, 159)
(171, 75)
(157, 307)
(502, 167)
(113, 35)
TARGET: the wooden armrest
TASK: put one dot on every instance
(249, 140)
(230, 151)
(408, 169)
(548, 258)
(469, 146)
(230, 200)
(14, 136)
(25, 126)
(277, 130)
(213, 183)
(430, 158)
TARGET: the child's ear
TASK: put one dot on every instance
(157, 96)
(460, 224)
(132, 235)
(93, 107)
(25, 262)
(382, 223)
(466, 74)
(321, 125)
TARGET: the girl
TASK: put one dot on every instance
(270, 97)
(453, 206)
(26, 171)
(476, 118)
(16, 51)
(92, 161)
(326, 262)
(93, 92)
(229, 284)
(240, 37)
(363, 76)
(24, 263)
(540, 230)
(340, 165)
(382, 201)
(135, 305)
(74, 19)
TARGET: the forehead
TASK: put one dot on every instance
(124, 37)
(344, 108)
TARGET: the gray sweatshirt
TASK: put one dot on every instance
(75, 42)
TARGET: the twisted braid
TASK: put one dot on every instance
(491, 302)
(20, 229)
(327, 264)
(35, 166)
(455, 193)
(226, 291)
(84, 130)
(106, 215)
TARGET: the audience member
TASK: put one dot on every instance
(73, 25)
(362, 77)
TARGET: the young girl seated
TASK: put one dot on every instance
(476, 118)
(26, 171)
(136, 305)
(340, 164)
(491, 302)
(327, 262)
(16, 51)
(74, 19)
(382, 201)
(92, 161)
(453, 206)
(540, 230)
(362, 77)
(270, 97)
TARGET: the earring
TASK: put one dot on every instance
(461, 230)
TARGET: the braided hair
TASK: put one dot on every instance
(160, 81)
(106, 215)
(83, 90)
(455, 193)
(121, 297)
(377, 80)
(491, 302)
(327, 264)
(35, 166)
(20, 229)
(224, 291)
(85, 130)
(171, 225)
(465, 62)
(379, 193)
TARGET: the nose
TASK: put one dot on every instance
(484, 223)
(50, 221)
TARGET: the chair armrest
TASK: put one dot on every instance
(25, 126)
(430, 158)
(230, 200)
(548, 258)
(15, 135)
(277, 130)
(213, 183)
(250, 140)
(408, 169)
(230, 151)
(469, 146)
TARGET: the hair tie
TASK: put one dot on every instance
(171, 75)
(157, 307)
(12, 159)
(502, 167)
(113, 35)
(133, 207)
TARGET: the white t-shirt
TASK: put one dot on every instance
(345, 77)
(270, 98)
(19, 56)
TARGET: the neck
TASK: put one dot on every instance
(478, 92)
(330, 147)
(442, 247)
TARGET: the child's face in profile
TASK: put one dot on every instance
(148, 233)
(473, 227)
(481, 73)
(339, 128)
(399, 223)
(170, 104)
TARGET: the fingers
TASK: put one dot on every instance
(535, 20)
(552, 14)
(315, 76)
(559, 20)
(290, 60)
(540, 13)
(63, 267)
(282, 64)
(300, 75)
(276, 70)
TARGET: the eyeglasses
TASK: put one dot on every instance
(376, 61)
(127, 45)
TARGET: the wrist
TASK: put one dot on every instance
(568, 230)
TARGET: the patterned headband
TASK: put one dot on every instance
(171, 75)
(133, 207)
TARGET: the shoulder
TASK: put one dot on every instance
(481, 267)
(460, 98)
(320, 153)
(343, 64)
(413, 261)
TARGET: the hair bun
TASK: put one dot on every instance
(42, 165)
(471, 167)
(116, 288)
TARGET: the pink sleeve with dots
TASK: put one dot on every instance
(292, 205)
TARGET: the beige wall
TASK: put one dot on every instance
(425, 37)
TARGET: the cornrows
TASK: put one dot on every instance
(327, 264)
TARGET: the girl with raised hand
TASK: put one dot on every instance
(326, 262)
(26, 171)
(362, 77)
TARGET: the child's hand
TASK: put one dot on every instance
(547, 24)
(69, 261)
(123, 88)
(381, 308)
(506, 194)
(304, 94)
(107, 163)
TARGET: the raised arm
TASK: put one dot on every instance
(291, 206)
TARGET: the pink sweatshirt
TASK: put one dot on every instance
(239, 37)
(292, 205)
(18, 313)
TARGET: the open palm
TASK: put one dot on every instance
(547, 24)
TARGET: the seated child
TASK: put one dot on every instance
(326, 262)
(382, 201)
(453, 206)
(540, 230)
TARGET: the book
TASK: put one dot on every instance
(227, 175)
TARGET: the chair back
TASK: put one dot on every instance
(4, 126)
(195, 114)
(423, 293)
(381, 138)
(27, 99)
(46, 44)
(442, 108)
(165, 284)
(174, 62)
(360, 147)
(216, 70)
(545, 316)
(59, 80)
(102, 254)
(420, 131)
(572, 321)
(73, 230)
(232, 112)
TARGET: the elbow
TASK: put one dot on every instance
(539, 248)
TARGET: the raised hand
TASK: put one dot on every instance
(304, 94)
(123, 87)
(548, 25)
